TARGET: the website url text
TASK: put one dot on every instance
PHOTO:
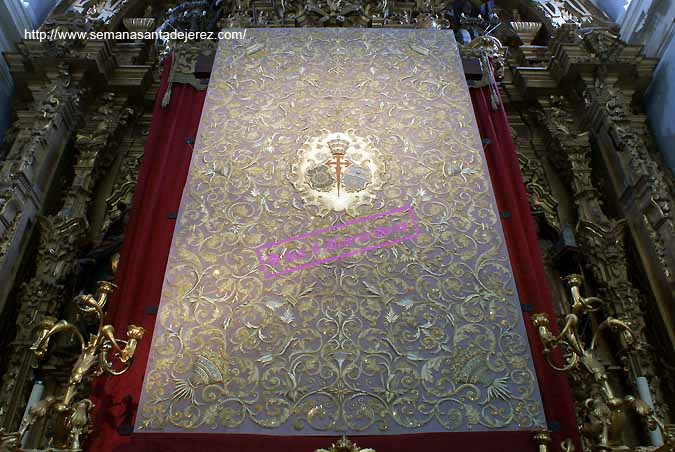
(175, 35)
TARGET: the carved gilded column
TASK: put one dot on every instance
(643, 183)
(602, 78)
(124, 186)
(29, 167)
(96, 151)
(542, 201)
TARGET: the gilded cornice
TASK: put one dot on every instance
(575, 53)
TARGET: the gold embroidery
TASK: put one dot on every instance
(425, 335)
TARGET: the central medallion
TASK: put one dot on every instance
(337, 171)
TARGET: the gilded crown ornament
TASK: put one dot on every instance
(344, 445)
(543, 441)
(607, 411)
(338, 146)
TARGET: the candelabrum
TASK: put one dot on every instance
(607, 410)
(101, 354)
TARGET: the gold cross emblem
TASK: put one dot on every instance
(338, 147)
(338, 163)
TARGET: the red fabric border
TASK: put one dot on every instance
(144, 256)
(432, 442)
(145, 252)
(525, 256)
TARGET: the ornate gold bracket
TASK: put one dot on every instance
(492, 56)
(183, 65)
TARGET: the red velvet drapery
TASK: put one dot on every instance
(526, 261)
(145, 253)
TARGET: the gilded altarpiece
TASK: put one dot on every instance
(311, 129)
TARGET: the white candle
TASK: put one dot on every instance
(655, 436)
(35, 397)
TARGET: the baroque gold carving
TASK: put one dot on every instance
(40, 296)
(601, 238)
(9, 442)
(293, 13)
(6, 240)
(658, 247)
(603, 46)
(344, 445)
(183, 63)
(139, 24)
(65, 102)
(609, 98)
(61, 238)
(541, 200)
(526, 31)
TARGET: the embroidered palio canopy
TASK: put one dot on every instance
(312, 130)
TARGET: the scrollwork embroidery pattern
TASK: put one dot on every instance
(425, 335)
